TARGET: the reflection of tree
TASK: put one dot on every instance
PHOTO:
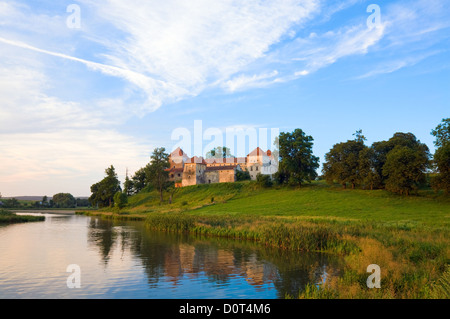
(102, 235)
(174, 257)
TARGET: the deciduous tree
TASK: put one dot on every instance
(64, 200)
(441, 158)
(103, 192)
(156, 170)
(342, 163)
(405, 169)
(297, 163)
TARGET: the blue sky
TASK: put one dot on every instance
(78, 98)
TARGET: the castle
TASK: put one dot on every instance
(187, 171)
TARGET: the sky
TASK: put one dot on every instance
(89, 84)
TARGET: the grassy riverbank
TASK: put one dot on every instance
(8, 217)
(408, 237)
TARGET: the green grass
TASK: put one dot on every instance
(7, 217)
(315, 200)
(408, 237)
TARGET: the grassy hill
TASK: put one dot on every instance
(315, 200)
(408, 237)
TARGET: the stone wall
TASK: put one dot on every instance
(193, 174)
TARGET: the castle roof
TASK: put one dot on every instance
(177, 152)
(257, 152)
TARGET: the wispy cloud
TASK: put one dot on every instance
(393, 66)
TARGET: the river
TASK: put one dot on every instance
(118, 260)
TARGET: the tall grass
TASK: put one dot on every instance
(411, 259)
(8, 217)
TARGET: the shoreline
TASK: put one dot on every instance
(43, 211)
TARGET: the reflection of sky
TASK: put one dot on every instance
(115, 263)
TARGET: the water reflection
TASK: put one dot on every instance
(175, 259)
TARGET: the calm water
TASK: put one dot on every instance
(125, 260)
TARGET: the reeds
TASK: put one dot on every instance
(8, 217)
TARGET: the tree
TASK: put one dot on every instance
(441, 158)
(103, 192)
(343, 163)
(64, 200)
(442, 161)
(45, 201)
(128, 185)
(139, 179)
(156, 170)
(359, 136)
(120, 199)
(263, 180)
(405, 169)
(243, 176)
(368, 174)
(219, 152)
(172, 190)
(442, 133)
(381, 150)
(83, 202)
(297, 163)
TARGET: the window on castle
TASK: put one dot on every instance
(251, 168)
(256, 167)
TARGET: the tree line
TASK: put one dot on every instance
(400, 165)
(60, 200)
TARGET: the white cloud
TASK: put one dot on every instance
(244, 82)
(393, 66)
(49, 144)
(190, 46)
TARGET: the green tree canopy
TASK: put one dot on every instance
(368, 175)
(442, 133)
(381, 150)
(156, 170)
(139, 179)
(441, 158)
(128, 185)
(342, 163)
(219, 152)
(64, 200)
(120, 199)
(103, 192)
(405, 169)
(297, 163)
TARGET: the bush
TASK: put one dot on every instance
(120, 200)
(242, 176)
(264, 180)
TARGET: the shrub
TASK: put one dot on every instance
(264, 180)
(120, 200)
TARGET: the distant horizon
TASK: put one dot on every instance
(37, 197)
